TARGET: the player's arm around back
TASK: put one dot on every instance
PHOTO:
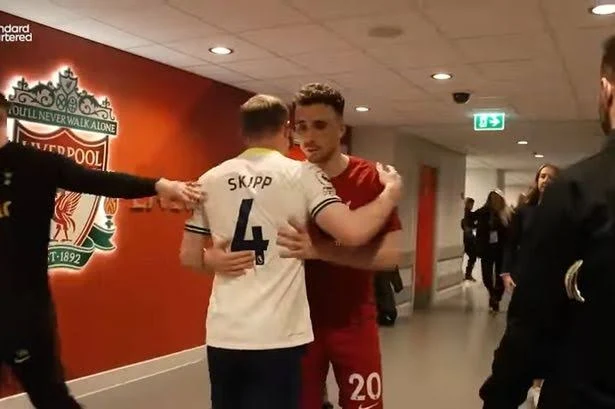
(350, 227)
(201, 252)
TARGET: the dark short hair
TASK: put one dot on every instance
(263, 114)
(607, 66)
(316, 93)
(4, 103)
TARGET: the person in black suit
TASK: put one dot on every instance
(386, 284)
(519, 226)
(491, 227)
(561, 311)
(520, 222)
(468, 225)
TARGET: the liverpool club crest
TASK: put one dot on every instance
(64, 119)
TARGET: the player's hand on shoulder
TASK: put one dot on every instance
(296, 242)
(189, 193)
(220, 260)
(392, 181)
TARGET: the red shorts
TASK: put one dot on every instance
(354, 353)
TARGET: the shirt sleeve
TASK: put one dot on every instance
(77, 178)
(199, 223)
(316, 188)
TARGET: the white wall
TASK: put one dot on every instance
(478, 184)
(512, 192)
(407, 153)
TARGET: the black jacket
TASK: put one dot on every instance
(29, 180)
(486, 222)
(468, 225)
(517, 230)
(576, 220)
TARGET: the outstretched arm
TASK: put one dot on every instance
(77, 178)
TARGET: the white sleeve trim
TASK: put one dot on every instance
(320, 206)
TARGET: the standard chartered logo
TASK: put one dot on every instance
(11, 33)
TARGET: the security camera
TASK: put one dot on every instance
(461, 97)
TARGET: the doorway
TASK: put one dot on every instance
(425, 236)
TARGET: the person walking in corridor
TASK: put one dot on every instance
(520, 222)
(491, 227)
(519, 227)
(564, 301)
(468, 226)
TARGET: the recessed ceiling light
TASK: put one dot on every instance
(442, 76)
(539, 155)
(220, 50)
(362, 109)
(603, 8)
(522, 143)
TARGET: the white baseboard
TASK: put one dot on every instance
(404, 309)
(448, 292)
(117, 377)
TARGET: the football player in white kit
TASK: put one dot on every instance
(258, 319)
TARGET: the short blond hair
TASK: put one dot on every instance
(263, 114)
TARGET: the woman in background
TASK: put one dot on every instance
(520, 222)
(491, 228)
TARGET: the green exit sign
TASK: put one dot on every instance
(489, 121)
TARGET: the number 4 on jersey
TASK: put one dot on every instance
(257, 244)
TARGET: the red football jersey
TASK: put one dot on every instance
(340, 295)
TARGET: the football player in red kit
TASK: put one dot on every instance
(339, 279)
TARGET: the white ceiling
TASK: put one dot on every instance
(535, 59)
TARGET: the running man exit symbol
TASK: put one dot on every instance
(489, 121)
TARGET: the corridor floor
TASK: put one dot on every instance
(435, 359)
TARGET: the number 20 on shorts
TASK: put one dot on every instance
(258, 245)
(363, 388)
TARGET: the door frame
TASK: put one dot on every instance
(426, 303)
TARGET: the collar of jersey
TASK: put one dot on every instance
(257, 151)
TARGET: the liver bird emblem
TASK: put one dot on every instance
(66, 203)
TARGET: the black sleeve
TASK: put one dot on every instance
(76, 178)
(539, 300)
(511, 245)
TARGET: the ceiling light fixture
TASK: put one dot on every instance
(441, 76)
(603, 8)
(539, 155)
(220, 50)
(385, 32)
(522, 143)
(362, 109)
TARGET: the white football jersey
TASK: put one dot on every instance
(249, 198)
